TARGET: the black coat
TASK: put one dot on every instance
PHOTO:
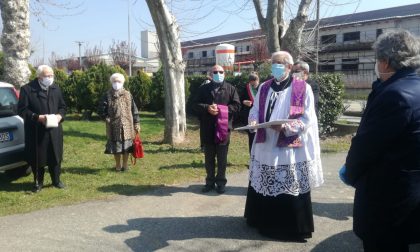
(208, 94)
(34, 101)
(383, 162)
(244, 113)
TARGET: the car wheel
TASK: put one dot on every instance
(19, 172)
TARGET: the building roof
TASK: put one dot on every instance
(368, 16)
(360, 17)
(223, 38)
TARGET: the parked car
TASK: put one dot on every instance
(12, 133)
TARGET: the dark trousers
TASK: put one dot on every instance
(54, 168)
(251, 136)
(211, 152)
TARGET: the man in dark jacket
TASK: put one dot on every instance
(216, 104)
(42, 107)
(247, 99)
(383, 162)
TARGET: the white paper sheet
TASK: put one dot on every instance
(52, 121)
(265, 125)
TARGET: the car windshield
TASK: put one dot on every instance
(8, 102)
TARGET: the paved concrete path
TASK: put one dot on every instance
(180, 218)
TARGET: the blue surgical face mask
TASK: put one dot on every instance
(218, 78)
(278, 70)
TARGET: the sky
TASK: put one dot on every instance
(100, 22)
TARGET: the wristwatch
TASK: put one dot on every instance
(34, 117)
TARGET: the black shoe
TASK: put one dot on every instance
(59, 185)
(37, 188)
(124, 169)
(207, 188)
(220, 189)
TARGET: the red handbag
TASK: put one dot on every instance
(137, 149)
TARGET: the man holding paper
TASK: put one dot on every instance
(285, 156)
(215, 104)
(42, 107)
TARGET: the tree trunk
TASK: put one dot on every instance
(292, 40)
(15, 41)
(274, 26)
(173, 68)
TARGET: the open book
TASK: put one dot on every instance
(265, 125)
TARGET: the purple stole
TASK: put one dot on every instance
(222, 124)
(297, 108)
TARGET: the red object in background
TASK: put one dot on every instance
(138, 151)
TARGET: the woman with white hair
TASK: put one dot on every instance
(122, 121)
(383, 162)
(285, 159)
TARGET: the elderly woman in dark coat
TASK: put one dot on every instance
(383, 162)
(122, 121)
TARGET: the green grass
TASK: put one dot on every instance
(88, 173)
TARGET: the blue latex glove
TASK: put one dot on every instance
(341, 175)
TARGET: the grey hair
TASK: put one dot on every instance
(400, 48)
(117, 76)
(253, 76)
(285, 57)
(42, 68)
(302, 66)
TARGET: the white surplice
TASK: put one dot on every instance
(285, 170)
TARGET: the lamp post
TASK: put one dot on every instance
(80, 53)
(129, 39)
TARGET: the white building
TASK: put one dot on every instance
(148, 62)
(345, 43)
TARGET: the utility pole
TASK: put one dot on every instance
(129, 39)
(317, 38)
(80, 53)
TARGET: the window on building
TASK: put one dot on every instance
(213, 53)
(378, 32)
(203, 54)
(328, 39)
(350, 64)
(351, 36)
(190, 55)
(248, 48)
(326, 65)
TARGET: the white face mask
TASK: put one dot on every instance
(378, 74)
(47, 81)
(117, 85)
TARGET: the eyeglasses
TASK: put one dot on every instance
(220, 72)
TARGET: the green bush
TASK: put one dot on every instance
(157, 92)
(69, 91)
(139, 86)
(93, 85)
(330, 101)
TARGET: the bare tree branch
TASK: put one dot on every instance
(260, 15)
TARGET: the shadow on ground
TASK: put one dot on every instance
(81, 170)
(74, 133)
(162, 190)
(345, 241)
(155, 233)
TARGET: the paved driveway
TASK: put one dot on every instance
(180, 218)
